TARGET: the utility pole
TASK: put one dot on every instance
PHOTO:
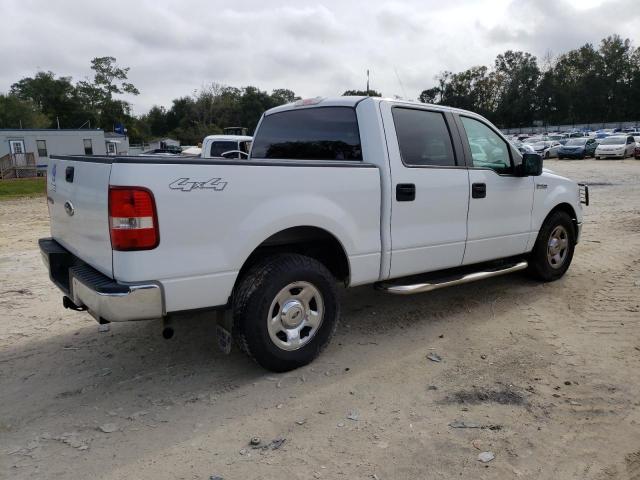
(58, 120)
(20, 124)
(367, 82)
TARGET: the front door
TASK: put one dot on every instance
(500, 203)
(430, 190)
(18, 152)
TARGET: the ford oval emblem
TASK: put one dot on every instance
(68, 207)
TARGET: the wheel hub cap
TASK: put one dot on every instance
(292, 314)
(295, 315)
(557, 247)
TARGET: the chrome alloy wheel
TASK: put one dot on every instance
(557, 247)
(295, 315)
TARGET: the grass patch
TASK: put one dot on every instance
(22, 187)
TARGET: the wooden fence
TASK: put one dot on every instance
(18, 165)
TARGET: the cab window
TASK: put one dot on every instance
(423, 138)
(488, 149)
(220, 147)
(320, 133)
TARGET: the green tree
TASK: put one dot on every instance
(98, 93)
(18, 113)
(362, 93)
(54, 97)
(280, 96)
(431, 95)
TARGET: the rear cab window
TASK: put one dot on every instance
(219, 147)
(317, 133)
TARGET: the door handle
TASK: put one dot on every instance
(68, 174)
(478, 190)
(405, 192)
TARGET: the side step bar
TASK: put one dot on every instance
(450, 281)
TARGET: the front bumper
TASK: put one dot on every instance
(610, 154)
(104, 298)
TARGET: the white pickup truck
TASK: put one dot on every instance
(226, 146)
(352, 191)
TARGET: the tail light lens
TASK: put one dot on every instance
(133, 221)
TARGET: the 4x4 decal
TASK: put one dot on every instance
(187, 185)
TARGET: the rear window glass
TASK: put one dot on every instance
(321, 133)
(218, 148)
(423, 138)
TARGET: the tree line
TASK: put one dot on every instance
(584, 85)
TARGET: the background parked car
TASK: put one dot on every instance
(546, 148)
(578, 148)
(523, 147)
(620, 146)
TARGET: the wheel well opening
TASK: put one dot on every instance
(313, 242)
(568, 209)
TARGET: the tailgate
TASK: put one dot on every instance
(77, 195)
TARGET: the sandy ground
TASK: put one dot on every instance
(548, 373)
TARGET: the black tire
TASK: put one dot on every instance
(253, 299)
(540, 266)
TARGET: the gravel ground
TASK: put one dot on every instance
(544, 376)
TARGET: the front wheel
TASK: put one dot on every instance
(285, 311)
(554, 247)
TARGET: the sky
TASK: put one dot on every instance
(319, 48)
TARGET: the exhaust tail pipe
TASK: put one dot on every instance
(167, 329)
(167, 333)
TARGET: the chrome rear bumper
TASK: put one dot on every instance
(104, 298)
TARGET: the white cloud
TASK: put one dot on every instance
(313, 48)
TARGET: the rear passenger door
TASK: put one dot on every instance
(430, 188)
(500, 202)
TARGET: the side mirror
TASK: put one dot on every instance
(531, 165)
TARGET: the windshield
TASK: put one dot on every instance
(576, 142)
(614, 141)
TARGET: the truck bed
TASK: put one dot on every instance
(212, 214)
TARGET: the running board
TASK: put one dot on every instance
(450, 281)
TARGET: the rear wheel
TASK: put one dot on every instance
(285, 311)
(554, 247)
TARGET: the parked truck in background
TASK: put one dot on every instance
(226, 146)
(353, 190)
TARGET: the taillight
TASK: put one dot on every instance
(133, 221)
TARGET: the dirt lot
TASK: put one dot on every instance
(549, 374)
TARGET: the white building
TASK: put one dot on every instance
(116, 143)
(27, 149)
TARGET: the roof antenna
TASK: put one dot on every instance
(400, 82)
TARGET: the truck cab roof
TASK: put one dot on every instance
(228, 138)
(353, 101)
